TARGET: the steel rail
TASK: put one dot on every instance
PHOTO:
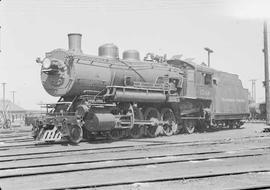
(121, 165)
(170, 179)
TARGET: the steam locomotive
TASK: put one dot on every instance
(107, 96)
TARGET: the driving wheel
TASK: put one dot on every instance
(137, 130)
(170, 127)
(152, 114)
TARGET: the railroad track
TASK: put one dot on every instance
(25, 140)
(156, 163)
(118, 162)
(22, 138)
(54, 151)
(99, 160)
(139, 163)
(127, 185)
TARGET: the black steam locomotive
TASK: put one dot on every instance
(107, 96)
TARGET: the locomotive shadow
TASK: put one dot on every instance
(104, 140)
(101, 140)
(155, 140)
(212, 130)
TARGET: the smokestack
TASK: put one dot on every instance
(74, 42)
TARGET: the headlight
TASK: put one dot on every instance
(46, 63)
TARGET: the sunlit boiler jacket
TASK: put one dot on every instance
(71, 72)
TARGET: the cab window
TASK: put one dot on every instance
(207, 79)
(204, 78)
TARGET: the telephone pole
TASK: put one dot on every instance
(13, 96)
(208, 53)
(4, 94)
(266, 73)
(253, 89)
(0, 38)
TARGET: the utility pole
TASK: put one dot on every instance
(253, 89)
(0, 37)
(266, 73)
(13, 96)
(4, 94)
(208, 53)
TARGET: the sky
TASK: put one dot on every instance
(29, 28)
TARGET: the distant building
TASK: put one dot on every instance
(13, 111)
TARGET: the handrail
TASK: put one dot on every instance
(129, 66)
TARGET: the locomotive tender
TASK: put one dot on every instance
(108, 96)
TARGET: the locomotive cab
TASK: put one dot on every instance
(197, 82)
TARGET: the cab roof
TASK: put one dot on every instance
(186, 64)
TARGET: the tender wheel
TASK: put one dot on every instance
(231, 124)
(116, 134)
(152, 114)
(189, 126)
(75, 134)
(168, 115)
(238, 124)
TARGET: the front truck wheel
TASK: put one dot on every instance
(75, 134)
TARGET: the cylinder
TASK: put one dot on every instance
(74, 42)
(131, 55)
(99, 121)
(108, 51)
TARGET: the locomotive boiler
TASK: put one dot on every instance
(106, 95)
(71, 73)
